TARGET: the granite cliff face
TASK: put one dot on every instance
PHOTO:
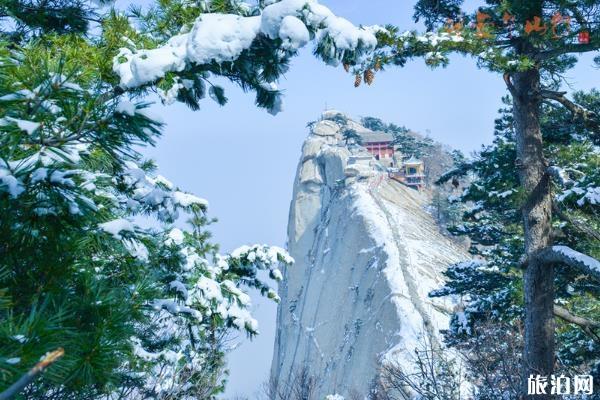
(367, 254)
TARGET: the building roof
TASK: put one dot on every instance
(413, 161)
(372, 137)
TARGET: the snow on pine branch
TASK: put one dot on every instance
(215, 291)
(263, 257)
(563, 254)
(560, 175)
(145, 192)
(219, 38)
(116, 226)
(206, 294)
(584, 195)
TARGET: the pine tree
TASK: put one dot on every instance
(351, 135)
(131, 306)
(141, 312)
(493, 288)
(374, 124)
(514, 38)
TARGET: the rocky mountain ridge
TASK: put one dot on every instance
(367, 255)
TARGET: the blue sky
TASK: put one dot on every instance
(243, 160)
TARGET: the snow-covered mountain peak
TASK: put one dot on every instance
(367, 255)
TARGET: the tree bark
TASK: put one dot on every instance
(538, 352)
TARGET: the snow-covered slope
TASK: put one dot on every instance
(367, 254)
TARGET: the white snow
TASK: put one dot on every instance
(174, 307)
(180, 287)
(12, 184)
(24, 125)
(40, 174)
(169, 96)
(115, 227)
(20, 338)
(164, 181)
(276, 275)
(139, 351)
(462, 320)
(423, 253)
(176, 236)
(149, 191)
(18, 95)
(381, 232)
(220, 37)
(125, 107)
(591, 196)
(223, 37)
(501, 195)
(293, 32)
(368, 250)
(345, 35)
(148, 65)
(560, 173)
(186, 200)
(271, 256)
(136, 249)
(210, 288)
(586, 260)
(62, 178)
(241, 296)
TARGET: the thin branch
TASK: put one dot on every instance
(569, 48)
(590, 119)
(84, 115)
(566, 315)
(577, 14)
(576, 224)
(585, 324)
(457, 172)
(26, 379)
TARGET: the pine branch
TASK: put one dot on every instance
(569, 48)
(565, 255)
(585, 324)
(576, 224)
(577, 14)
(457, 172)
(84, 115)
(581, 19)
(590, 119)
(566, 315)
(26, 379)
(560, 176)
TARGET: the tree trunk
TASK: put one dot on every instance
(538, 354)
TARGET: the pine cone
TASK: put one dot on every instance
(357, 80)
(346, 67)
(377, 64)
(369, 77)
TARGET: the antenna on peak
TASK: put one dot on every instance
(324, 110)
